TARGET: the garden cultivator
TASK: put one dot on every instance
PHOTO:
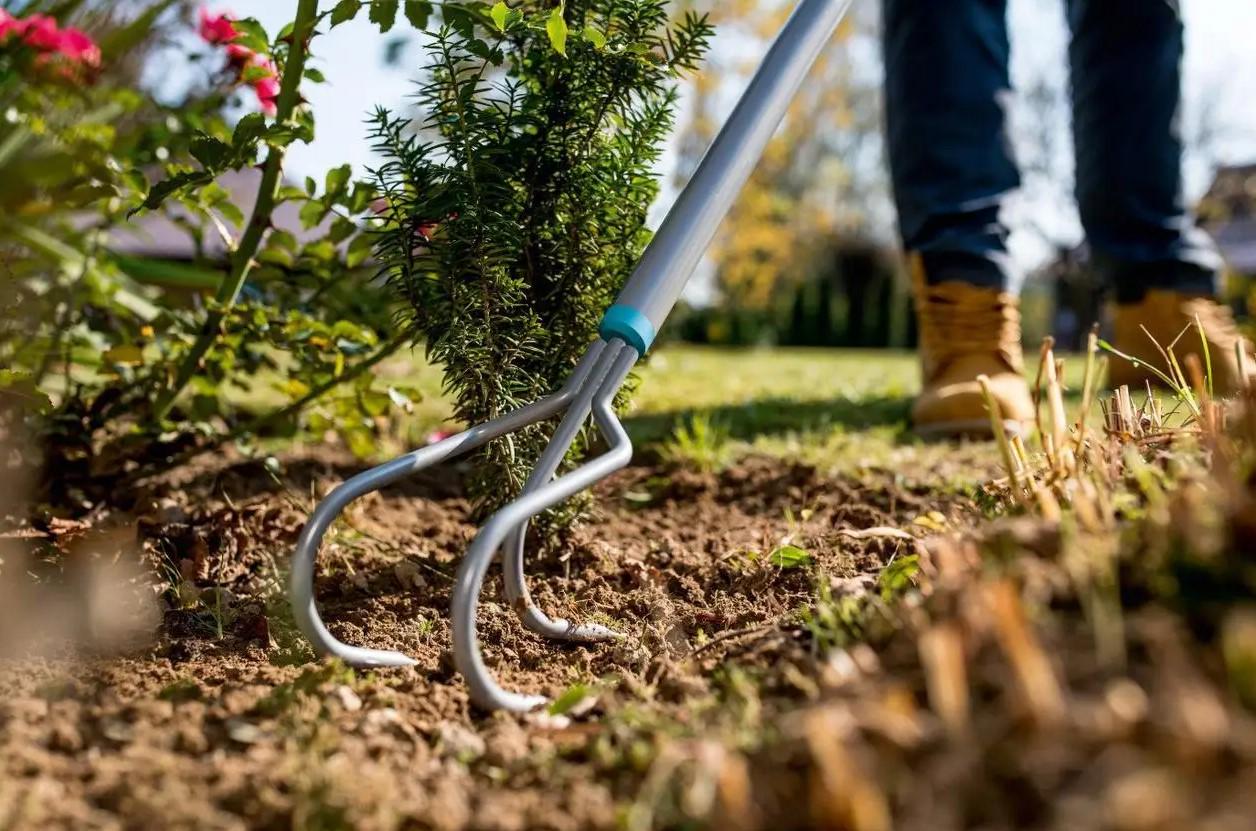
(625, 332)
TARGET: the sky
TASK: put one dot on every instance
(1220, 71)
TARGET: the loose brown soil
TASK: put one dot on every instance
(197, 728)
(1006, 690)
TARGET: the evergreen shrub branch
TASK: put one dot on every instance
(516, 201)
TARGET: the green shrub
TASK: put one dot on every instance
(517, 200)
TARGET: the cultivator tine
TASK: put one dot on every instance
(618, 359)
(301, 585)
(517, 594)
(627, 330)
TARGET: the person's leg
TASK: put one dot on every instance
(1125, 59)
(946, 92)
(1126, 62)
(946, 95)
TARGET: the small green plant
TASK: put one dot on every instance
(310, 683)
(699, 441)
(515, 204)
(789, 556)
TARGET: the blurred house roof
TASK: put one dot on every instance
(1228, 211)
(167, 234)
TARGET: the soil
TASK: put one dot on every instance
(183, 698)
(992, 684)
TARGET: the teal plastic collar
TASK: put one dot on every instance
(629, 325)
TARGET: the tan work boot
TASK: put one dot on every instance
(967, 331)
(1169, 317)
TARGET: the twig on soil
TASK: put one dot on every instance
(732, 634)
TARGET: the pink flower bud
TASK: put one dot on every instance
(239, 56)
(217, 28)
(267, 90)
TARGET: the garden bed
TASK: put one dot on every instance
(202, 728)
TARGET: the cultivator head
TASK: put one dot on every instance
(626, 333)
(591, 389)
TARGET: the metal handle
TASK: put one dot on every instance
(682, 239)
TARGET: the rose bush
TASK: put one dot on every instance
(122, 376)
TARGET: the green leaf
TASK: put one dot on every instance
(252, 35)
(897, 576)
(373, 402)
(248, 130)
(360, 441)
(323, 251)
(125, 353)
(460, 18)
(253, 74)
(384, 13)
(359, 250)
(789, 556)
(282, 239)
(341, 229)
(569, 698)
(210, 152)
(500, 12)
(315, 75)
(175, 184)
(594, 37)
(312, 213)
(337, 180)
(556, 28)
(231, 212)
(345, 11)
(417, 12)
(17, 385)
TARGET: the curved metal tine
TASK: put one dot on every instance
(485, 691)
(517, 594)
(301, 585)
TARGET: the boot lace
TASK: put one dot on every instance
(958, 320)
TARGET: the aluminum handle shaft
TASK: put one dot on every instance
(682, 239)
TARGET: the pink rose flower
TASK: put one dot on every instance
(267, 90)
(64, 53)
(39, 31)
(239, 56)
(9, 25)
(217, 28)
(78, 47)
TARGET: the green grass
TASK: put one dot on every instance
(845, 411)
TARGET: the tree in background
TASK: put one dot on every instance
(820, 186)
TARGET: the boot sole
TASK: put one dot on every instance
(970, 428)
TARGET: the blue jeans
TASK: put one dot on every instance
(947, 90)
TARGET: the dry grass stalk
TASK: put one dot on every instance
(842, 794)
(1048, 504)
(1021, 455)
(1088, 392)
(946, 676)
(1000, 434)
(1240, 357)
(1055, 404)
(1035, 678)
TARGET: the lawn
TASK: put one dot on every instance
(844, 411)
